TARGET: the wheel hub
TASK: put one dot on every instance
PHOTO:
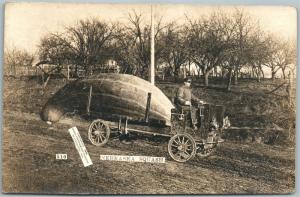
(182, 147)
(97, 132)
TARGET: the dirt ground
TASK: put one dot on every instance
(30, 145)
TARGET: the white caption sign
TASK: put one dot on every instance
(84, 155)
(127, 158)
(61, 156)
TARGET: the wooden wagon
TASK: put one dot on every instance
(185, 141)
(134, 105)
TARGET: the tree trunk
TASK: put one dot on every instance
(253, 73)
(206, 74)
(76, 71)
(215, 72)
(229, 80)
(88, 70)
(176, 74)
(189, 68)
(235, 82)
(258, 75)
(14, 70)
(283, 73)
(184, 71)
(43, 77)
(273, 75)
(199, 73)
(223, 72)
(236, 72)
(262, 72)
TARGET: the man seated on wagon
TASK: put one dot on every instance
(185, 99)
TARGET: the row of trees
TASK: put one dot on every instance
(14, 59)
(230, 41)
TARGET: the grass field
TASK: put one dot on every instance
(240, 165)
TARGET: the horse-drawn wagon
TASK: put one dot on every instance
(121, 104)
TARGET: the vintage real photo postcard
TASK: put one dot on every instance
(149, 99)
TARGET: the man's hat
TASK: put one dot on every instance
(188, 79)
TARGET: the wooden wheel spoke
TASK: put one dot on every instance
(179, 140)
(175, 152)
(103, 132)
(101, 138)
(178, 143)
(178, 154)
(174, 146)
(187, 153)
(94, 136)
(98, 125)
(94, 127)
(101, 127)
(188, 142)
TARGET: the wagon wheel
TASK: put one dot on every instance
(98, 132)
(182, 147)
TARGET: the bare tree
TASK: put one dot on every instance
(133, 45)
(209, 38)
(241, 29)
(276, 57)
(288, 57)
(14, 58)
(54, 50)
(86, 44)
(259, 52)
(89, 41)
(176, 48)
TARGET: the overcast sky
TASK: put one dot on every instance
(26, 23)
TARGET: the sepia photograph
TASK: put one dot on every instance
(149, 99)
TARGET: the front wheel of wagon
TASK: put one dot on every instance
(98, 132)
(182, 147)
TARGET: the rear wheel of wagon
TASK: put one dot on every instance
(98, 132)
(182, 147)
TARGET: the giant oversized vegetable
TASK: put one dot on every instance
(112, 94)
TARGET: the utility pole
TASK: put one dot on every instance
(152, 66)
